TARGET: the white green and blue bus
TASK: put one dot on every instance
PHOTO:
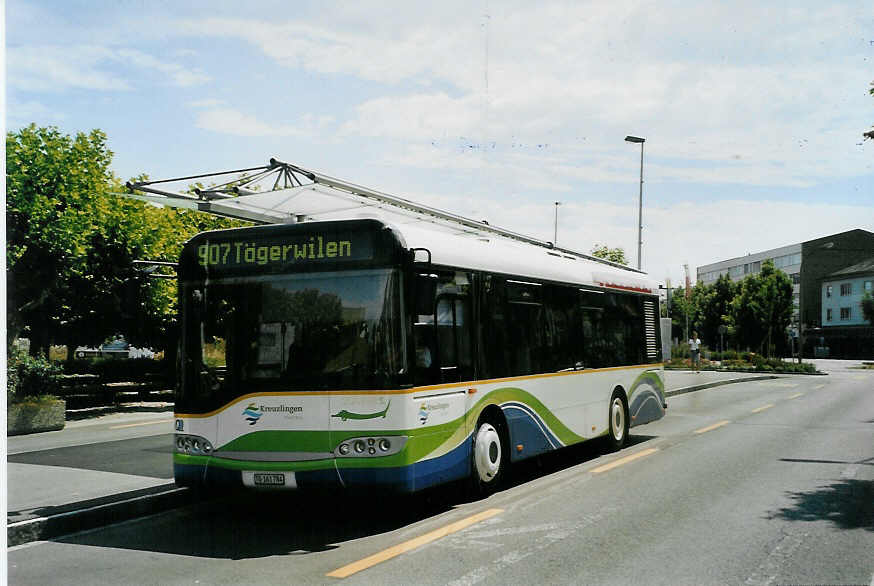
(357, 353)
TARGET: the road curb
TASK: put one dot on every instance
(719, 383)
(92, 514)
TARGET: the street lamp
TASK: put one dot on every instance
(639, 199)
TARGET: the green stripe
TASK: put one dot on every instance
(431, 441)
(651, 378)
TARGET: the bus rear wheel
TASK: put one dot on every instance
(618, 425)
(491, 456)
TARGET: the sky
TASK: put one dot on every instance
(753, 112)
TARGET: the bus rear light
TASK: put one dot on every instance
(343, 449)
(359, 446)
(384, 445)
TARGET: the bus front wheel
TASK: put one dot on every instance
(490, 456)
(618, 425)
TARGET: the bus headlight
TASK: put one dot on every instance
(367, 447)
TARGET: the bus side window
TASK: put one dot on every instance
(563, 336)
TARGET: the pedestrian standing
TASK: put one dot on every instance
(695, 348)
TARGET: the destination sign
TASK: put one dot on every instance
(284, 251)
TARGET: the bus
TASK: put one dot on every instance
(364, 353)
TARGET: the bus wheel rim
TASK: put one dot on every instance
(487, 453)
(617, 419)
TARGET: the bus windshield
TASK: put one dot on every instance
(303, 331)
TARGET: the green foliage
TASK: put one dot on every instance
(681, 307)
(762, 310)
(29, 377)
(112, 370)
(744, 362)
(71, 246)
(611, 254)
(714, 308)
(52, 183)
(868, 307)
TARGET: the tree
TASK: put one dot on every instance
(52, 181)
(612, 254)
(868, 307)
(714, 308)
(71, 246)
(683, 313)
(762, 310)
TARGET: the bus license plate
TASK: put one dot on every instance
(262, 479)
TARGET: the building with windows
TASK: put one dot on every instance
(785, 258)
(811, 265)
(843, 323)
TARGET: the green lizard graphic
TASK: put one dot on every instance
(344, 415)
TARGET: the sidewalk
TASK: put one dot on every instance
(118, 466)
(93, 472)
(678, 382)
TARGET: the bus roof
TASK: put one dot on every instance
(502, 255)
(452, 240)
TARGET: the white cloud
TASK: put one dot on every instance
(22, 113)
(207, 103)
(416, 116)
(711, 84)
(227, 120)
(181, 76)
(52, 68)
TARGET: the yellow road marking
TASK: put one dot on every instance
(406, 546)
(795, 396)
(763, 407)
(139, 424)
(625, 460)
(712, 427)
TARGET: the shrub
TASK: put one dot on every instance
(113, 370)
(29, 377)
(729, 355)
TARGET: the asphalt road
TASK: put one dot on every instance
(766, 482)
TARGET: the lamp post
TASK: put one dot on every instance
(640, 140)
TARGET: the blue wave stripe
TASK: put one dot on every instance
(553, 440)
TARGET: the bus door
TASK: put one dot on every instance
(442, 329)
(453, 338)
